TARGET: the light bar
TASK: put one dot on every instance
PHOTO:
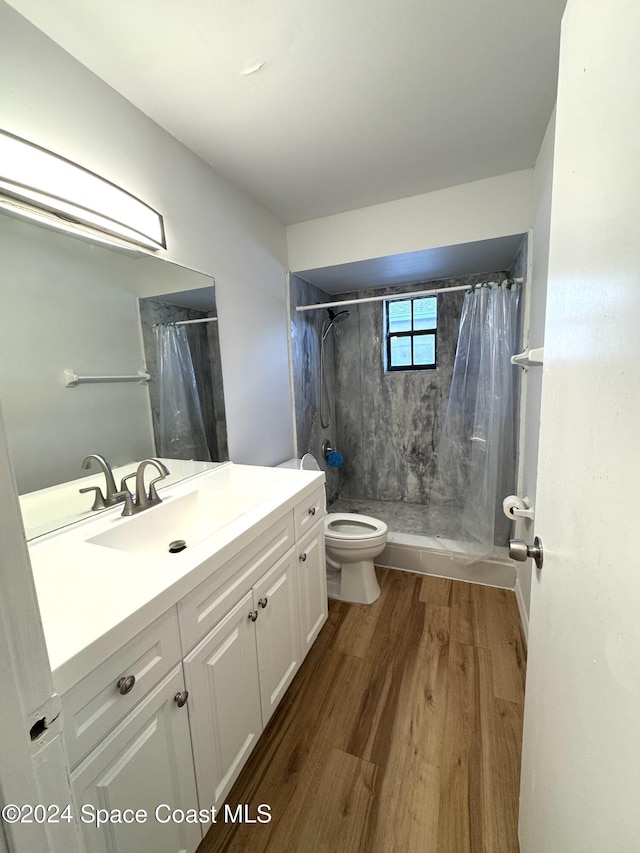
(42, 185)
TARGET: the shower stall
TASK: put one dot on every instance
(388, 425)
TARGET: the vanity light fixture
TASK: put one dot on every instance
(44, 186)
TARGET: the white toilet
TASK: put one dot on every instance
(352, 541)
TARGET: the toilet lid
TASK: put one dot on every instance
(351, 525)
(309, 463)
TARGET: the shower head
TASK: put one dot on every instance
(332, 320)
(339, 317)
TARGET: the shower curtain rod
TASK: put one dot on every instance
(389, 296)
(187, 322)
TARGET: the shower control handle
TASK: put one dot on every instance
(520, 551)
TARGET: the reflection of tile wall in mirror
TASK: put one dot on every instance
(71, 304)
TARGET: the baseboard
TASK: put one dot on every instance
(524, 619)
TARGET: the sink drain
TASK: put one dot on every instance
(176, 546)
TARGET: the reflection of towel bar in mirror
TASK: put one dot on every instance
(71, 378)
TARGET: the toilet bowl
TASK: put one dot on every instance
(352, 541)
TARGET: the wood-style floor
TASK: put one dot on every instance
(401, 731)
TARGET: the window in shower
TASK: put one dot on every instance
(410, 333)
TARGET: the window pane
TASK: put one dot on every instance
(399, 316)
(425, 313)
(400, 352)
(424, 349)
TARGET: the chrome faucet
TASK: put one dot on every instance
(113, 496)
(142, 500)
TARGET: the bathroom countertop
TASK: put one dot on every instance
(93, 599)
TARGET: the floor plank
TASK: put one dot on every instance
(409, 781)
(502, 626)
(333, 811)
(468, 622)
(436, 590)
(360, 622)
(401, 731)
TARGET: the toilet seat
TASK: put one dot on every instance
(352, 530)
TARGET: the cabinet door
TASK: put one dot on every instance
(313, 586)
(275, 599)
(145, 762)
(224, 702)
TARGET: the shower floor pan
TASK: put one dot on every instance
(410, 546)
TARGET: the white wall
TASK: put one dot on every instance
(50, 98)
(534, 337)
(495, 207)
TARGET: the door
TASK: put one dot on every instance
(224, 702)
(275, 600)
(314, 605)
(145, 764)
(581, 753)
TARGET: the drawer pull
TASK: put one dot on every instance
(125, 684)
(303, 556)
(181, 698)
(262, 602)
(312, 510)
(253, 615)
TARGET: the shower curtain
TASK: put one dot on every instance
(181, 425)
(476, 465)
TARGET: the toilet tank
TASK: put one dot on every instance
(307, 463)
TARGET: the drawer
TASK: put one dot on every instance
(202, 609)
(309, 511)
(94, 706)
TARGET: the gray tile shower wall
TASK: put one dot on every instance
(389, 424)
(306, 329)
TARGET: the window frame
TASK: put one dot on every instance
(412, 333)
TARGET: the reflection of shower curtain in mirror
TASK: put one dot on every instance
(182, 434)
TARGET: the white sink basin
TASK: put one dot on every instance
(192, 518)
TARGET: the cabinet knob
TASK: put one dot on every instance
(181, 698)
(125, 684)
(262, 602)
(253, 615)
(312, 510)
(303, 556)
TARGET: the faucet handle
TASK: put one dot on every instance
(99, 502)
(154, 497)
(123, 482)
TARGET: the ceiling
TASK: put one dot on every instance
(319, 107)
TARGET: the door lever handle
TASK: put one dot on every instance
(520, 551)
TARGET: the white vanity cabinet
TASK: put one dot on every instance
(221, 674)
(170, 718)
(238, 673)
(144, 763)
(277, 624)
(128, 738)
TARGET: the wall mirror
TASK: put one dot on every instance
(97, 311)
